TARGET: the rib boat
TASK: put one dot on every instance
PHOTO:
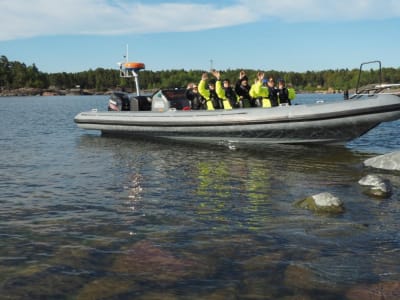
(162, 115)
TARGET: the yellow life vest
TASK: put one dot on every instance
(221, 94)
(206, 94)
(266, 103)
(292, 93)
(257, 90)
(209, 105)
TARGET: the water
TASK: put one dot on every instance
(90, 217)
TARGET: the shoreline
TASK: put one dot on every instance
(28, 92)
(21, 92)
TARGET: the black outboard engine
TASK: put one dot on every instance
(119, 101)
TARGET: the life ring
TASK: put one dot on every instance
(134, 65)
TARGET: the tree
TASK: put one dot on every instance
(5, 73)
(15, 75)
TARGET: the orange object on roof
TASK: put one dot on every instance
(134, 65)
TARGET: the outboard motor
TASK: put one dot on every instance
(119, 101)
(112, 105)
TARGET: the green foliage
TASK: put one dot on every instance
(15, 75)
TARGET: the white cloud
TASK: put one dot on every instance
(22, 19)
(326, 10)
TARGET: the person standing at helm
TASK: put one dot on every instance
(260, 92)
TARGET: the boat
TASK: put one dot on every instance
(164, 115)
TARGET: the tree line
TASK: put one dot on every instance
(15, 75)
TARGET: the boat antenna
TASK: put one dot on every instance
(131, 69)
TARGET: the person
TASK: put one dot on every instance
(230, 93)
(222, 95)
(209, 94)
(346, 95)
(192, 94)
(291, 91)
(260, 92)
(273, 95)
(242, 89)
(215, 94)
(284, 96)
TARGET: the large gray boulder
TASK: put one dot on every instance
(322, 203)
(389, 161)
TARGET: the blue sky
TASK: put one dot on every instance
(284, 35)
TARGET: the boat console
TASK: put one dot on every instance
(162, 100)
(122, 101)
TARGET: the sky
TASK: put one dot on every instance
(283, 35)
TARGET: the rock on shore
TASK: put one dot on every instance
(389, 161)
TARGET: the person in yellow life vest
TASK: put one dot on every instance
(215, 94)
(260, 92)
(209, 93)
(285, 94)
(230, 93)
(292, 92)
(221, 92)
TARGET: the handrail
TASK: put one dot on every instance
(366, 63)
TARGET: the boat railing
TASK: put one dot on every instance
(372, 89)
(376, 88)
(369, 88)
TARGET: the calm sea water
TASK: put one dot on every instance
(89, 217)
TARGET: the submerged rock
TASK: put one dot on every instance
(384, 290)
(389, 161)
(107, 288)
(322, 203)
(146, 261)
(376, 186)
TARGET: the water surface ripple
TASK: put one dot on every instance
(89, 217)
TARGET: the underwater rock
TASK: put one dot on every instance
(263, 262)
(106, 288)
(299, 277)
(384, 290)
(150, 262)
(389, 161)
(322, 203)
(376, 186)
